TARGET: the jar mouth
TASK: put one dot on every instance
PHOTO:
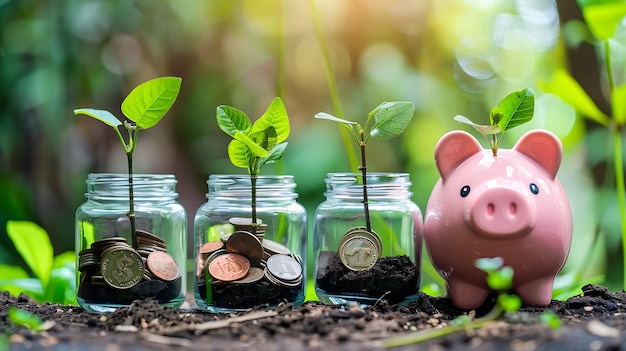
(116, 186)
(239, 186)
(379, 185)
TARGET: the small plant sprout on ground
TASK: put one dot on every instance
(255, 145)
(515, 109)
(388, 120)
(500, 279)
(144, 107)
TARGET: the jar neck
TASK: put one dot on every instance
(380, 186)
(239, 187)
(146, 187)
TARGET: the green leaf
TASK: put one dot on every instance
(33, 244)
(495, 116)
(603, 18)
(509, 302)
(391, 119)
(102, 115)
(483, 129)
(324, 115)
(618, 104)
(255, 149)
(265, 138)
(489, 264)
(29, 286)
(274, 155)
(239, 154)
(12, 272)
(275, 116)
(501, 279)
(550, 319)
(517, 108)
(231, 120)
(151, 100)
(23, 318)
(568, 89)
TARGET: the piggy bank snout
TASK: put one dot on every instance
(502, 213)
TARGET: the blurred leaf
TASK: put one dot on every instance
(33, 244)
(231, 120)
(603, 17)
(12, 272)
(501, 279)
(517, 108)
(550, 319)
(618, 104)
(324, 115)
(391, 118)
(102, 115)
(568, 89)
(151, 100)
(509, 302)
(29, 286)
(489, 264)
(22, 318)
(62, 285)
(276, 117)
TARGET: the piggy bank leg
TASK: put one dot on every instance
(465, 295)
(537, 292)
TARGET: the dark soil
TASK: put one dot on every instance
(592, 321)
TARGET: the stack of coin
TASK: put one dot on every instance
(114, 262)
(360, 249)
(244, 259)
(245, 224)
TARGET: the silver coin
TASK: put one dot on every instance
(284, 267)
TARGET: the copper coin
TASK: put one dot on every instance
(211, 246)
(163, 266)
(149, 236)
(246, 244)
(229, 267)
(122, 268)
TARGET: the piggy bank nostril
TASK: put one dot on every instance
(513, 208)
(491, 209)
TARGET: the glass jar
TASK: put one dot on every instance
(116, 267)
(240, 264)
(355, 264)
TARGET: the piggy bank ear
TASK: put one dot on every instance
(452, 149)
(542, 147)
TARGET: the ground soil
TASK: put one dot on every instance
(595, 320)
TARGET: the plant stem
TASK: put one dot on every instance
(431, 334)
(253, 179)
(619, 184)
(332, 85)
(131, 200)
(363, 169)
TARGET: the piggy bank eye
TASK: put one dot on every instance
(534, 188)
(465, 191)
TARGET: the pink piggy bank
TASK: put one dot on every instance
(510, 206)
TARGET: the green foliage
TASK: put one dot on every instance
(602, 18)
(550, 319)
(258, 144)
(500, 279)
(515, 109)
(54, 277)
(145, 106)
(22, 318)
(390, 120)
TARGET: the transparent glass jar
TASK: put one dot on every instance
(115, 267)
(353, 264)
(273, 250)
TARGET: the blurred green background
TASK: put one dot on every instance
(448, 57)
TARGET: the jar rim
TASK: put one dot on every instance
(239, 186)
(112, 186)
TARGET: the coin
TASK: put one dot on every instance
(273, 247)
(254, 274)
(229, 267)
(211, 246)
(142, 234)
(163, 266)
(246, 244)
(284, 267)
(358, 252)
(122, 268)
(372, 235)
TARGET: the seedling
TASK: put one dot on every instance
(390, 119)
(255, 145)
(515, 109)
(144, 107)
(500, 279)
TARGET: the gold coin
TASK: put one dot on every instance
(358, 252)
